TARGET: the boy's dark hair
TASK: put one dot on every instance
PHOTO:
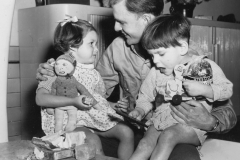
(139, 7)
(165, 31)
(71, 34)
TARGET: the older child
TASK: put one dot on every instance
(79, 38)
(167, 39)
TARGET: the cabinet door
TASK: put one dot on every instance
(202, 35)
(228, 58)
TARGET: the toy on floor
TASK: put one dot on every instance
(63, 145)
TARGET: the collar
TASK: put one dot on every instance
(133, 49)
(86, 66)
(146, 61)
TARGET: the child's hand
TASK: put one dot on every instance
(137, 113)
(123, 105)
(78, 103)
(50, 111)
(194, 88)
(97, 107)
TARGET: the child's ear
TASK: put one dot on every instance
(184, 47)
(72, 49)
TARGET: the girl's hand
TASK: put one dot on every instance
(194, 88)
(77, 102)
(45, 69)
(97, 107)
(123, 105)
(50, 111)
(137, 113)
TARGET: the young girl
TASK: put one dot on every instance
(166, 40)
(79, 38)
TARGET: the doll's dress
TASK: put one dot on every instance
(93, 118)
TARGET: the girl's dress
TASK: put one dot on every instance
(93, 118)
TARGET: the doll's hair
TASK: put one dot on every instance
(70, 58)
(166, 31)
(71, 34)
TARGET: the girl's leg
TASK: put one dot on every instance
(72, 120)
(92, 138)
(172, 136)
(146, 144)
(58, 115)
(125, 135)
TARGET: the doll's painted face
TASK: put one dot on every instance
(63, 67)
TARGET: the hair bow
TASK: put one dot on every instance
(69, 19)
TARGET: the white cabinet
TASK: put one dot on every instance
(228, 58)
(223, 40)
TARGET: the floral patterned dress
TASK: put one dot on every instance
(93, 118)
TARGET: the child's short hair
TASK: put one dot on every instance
(71, 34)
(166, 31)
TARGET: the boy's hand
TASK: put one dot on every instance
(45, 69)
(78, 103)
(194, 88)
(137, 113)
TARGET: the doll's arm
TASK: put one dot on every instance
(45, 99)
(53, 89)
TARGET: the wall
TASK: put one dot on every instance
(215, 8)
(20, 4)
(6, 11)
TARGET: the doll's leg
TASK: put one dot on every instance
(146, 144)
(59, 114)
(72, 120)
(172, 136)
(125, 135)
(92, 138)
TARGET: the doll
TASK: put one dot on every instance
(66, 85)
(199, 70)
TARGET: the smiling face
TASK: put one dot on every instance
(128, 23)
(166, 58)
(87, 52)
(63, 67)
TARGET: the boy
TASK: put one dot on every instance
(167, 39)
